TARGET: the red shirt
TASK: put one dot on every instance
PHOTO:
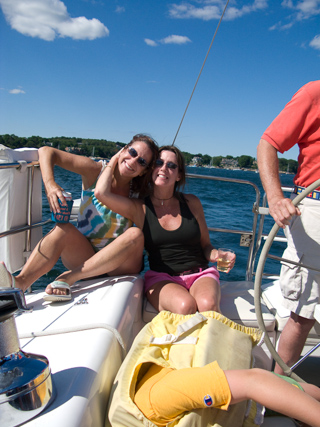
(299, 123)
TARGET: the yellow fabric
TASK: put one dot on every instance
(218, 338)
(165, 393)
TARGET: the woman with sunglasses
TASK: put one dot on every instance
(98, 227)
(176, 238)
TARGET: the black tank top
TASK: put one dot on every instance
(176, 251)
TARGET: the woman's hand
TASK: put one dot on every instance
(54, 193)
(114, 160)
(214, 255)
(232, 258)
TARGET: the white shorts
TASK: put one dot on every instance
(300, 286)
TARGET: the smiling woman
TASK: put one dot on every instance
(175, 234)
(100, 232)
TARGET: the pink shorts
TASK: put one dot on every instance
(152, 277)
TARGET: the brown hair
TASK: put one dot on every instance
(141, 184)
(181, 165)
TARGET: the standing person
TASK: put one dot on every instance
(176, 238)
(298, 123)
(98, 227)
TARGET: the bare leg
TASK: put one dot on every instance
(292, 339)
(172, 297)
(206, 292)
(312, 390)
(122, 256)
(63, 240)
(274, 393)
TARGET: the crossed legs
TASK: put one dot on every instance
(64, 241)
(122, 256)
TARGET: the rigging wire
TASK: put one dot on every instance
(194, 88)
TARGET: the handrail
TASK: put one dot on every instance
(17, 165)
(249, 268)
(252, 252)
(28, 227)
(257, 285)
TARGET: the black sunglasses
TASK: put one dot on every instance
(170, 165)
(133, 153)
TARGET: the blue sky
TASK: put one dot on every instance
(108, 69)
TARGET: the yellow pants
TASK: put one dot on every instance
(164, 393)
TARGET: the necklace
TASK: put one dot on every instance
(162, 200)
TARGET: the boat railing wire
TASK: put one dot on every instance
(29, 225)
(251, 238)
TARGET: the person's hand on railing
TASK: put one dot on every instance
(282, 210)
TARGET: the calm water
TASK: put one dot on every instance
(226, 205)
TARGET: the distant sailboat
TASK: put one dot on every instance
(92, 154)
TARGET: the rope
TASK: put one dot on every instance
(194, 88)
(78, 329)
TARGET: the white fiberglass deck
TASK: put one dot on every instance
(83, 363)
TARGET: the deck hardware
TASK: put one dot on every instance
(26, 386)
(245, 240)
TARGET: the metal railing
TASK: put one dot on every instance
(251, 238)
(30, 225)
(248, 237)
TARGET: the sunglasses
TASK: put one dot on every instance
(170, 165)
(133, 153)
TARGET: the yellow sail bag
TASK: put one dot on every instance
(184, 341)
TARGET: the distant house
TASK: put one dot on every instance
(229, 163)
(196, 161)
(73, 149)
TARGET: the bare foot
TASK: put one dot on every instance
(53, 288)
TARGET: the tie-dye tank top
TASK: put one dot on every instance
(97, 222)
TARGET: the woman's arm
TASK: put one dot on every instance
(129, 208)
(84, 166)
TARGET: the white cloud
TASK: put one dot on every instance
(306, 8)
(150, 42)
(315, 43)
(48, 19)
(187, 11)
(301, 10)
(16, 91)
(173, 39)
(120, 9)
(212, 9)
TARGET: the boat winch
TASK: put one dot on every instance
(25, 379)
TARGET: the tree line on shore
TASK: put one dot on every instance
(105, 149)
